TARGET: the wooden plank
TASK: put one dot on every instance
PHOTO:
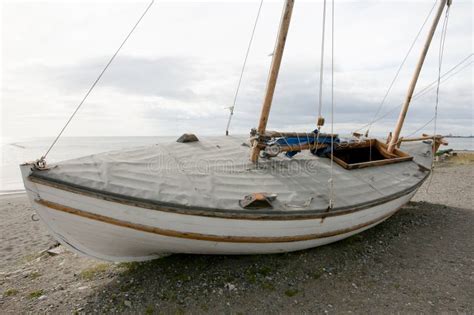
(390, 158)
(401, 118)
(379, 162)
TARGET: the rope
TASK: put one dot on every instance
(322, 62)
(444, 31)
(321, 77)
(400, 68)
(243, 69)
(96, 81)
(440, 62)
(432, 84)
(331, 181)
(426, 89)
(421, 128)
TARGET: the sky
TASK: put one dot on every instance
(179, 70)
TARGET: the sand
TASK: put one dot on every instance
(420, 260)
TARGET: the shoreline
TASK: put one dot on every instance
(6, 194)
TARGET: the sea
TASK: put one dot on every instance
(16, 152)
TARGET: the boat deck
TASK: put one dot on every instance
(215, 174)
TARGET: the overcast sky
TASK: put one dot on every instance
(179, 70)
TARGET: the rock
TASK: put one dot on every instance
(56, 250)
(42, 297)
(187, 137)
(230, 286)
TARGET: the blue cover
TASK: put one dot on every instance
(284, 141)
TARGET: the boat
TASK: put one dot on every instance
(270, 192)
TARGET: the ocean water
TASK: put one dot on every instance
(15, 153)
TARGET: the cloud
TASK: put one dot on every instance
(170, 77)
(184, 80)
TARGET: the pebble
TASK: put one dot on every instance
(230, 286)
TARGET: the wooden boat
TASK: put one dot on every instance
(206, 196)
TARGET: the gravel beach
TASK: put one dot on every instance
(420, 260)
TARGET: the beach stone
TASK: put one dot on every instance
(187, 137)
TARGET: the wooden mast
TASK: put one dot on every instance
(396, 133)
(274, 69)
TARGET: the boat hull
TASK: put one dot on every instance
(119, 232)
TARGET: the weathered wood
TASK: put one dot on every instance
(438, 140)
(437, 137)
(395, 157)
(371, 163)
(396, 133)
(274, 69)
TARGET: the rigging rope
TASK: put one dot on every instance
(419, 129)
(444, 31)
(331, 183)
(427, 88)
(243, 69)
(400, 68)
(320, 119)
(321, 67)
(96, 81)
(440, 61)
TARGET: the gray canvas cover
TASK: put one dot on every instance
(215, 173)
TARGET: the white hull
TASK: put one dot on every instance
(114, 231)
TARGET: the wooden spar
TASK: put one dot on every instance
(411, 88)
(274, 69)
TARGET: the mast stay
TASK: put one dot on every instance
(231, 109)
(41, 163)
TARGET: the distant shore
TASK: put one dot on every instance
(459, 136)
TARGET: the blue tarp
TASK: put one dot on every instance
(284, 141)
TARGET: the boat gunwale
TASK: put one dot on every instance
(244, 214)
(212, 237)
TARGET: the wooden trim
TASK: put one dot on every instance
(211, 212)
(411, 88)
(207, 237)
(395, 157)
(372, 163)
(437, 137)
